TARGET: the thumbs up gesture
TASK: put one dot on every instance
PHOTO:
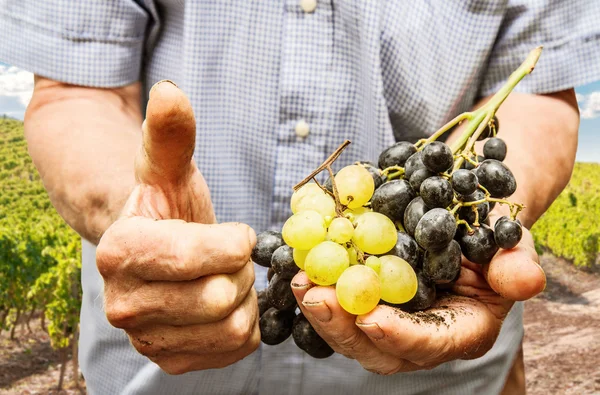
(180, 285)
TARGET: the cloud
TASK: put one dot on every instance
(589, 107)
(16, 87)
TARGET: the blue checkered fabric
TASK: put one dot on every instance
(368, 71)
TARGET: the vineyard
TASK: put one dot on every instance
(39, 254)
(570, 228)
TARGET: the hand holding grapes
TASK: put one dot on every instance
(391, 238)
(388, 340)
(176, 282)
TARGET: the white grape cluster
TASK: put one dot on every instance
(348, 249)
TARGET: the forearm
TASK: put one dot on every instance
(83, 142)
(541, 134)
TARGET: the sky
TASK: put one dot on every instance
(16, 87)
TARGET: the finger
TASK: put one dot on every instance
(173, 250)
(226, 335)
(208, 299)
(472, 284)
(321, 308)
(456, 328)
(169, 134)
(516, 273)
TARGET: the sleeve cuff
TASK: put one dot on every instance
(75, 60)
(559, 67)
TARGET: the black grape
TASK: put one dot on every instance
(442, 266)
(417, 178)
(280, 295)
(414, 163)
(437, 157)
(467, 212)
(508, 233)
(406, 248)
(307, 339)
(468, 166)
(480, 246)
(266, 244)
(464, 182)
(275, 326)
(437, 192)
(488, 130)
(392, 198)
(396, 155)
(378, 178)
(496, 178)
(495, 148)
(435, 229)
(413, 213)
(424, 297)
(283, 263)
(263, 303)
(270, 274)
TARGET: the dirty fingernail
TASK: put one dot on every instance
(371, 329)
(319, 310)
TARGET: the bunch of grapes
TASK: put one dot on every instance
(394, 233)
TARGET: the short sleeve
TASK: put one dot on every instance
(569, 30)
(98, 43)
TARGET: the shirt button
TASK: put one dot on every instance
(302, 129)
(308, 5)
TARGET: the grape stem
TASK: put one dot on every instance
(482, 117)
(392, 172)
(338, 205)
(459, 118)
(465, 223)
(332, 158)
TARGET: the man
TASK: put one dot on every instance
(273, 88)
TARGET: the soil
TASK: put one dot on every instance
(561, 345)
(562, 332)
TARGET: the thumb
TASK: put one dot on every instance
(516, 273)
(169, 135)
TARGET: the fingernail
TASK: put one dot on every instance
(319, 310)
(160, 82)
(371, 329)
(301, 286)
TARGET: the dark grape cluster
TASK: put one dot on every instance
(438, 200)
(277, 305)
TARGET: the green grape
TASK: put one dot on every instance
(355, 186)
(374, 263)
(358, 290)
(398, 280)
(353, 214)
(304, 230)
(326, 262)
(299, 257)
(340, 230)
(374, 233)
(311, 197)
(353, 255)
(305, 190)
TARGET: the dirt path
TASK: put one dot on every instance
(562, 332)
(562, 342)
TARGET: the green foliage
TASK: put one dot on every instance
(39, 254)
(571, 227)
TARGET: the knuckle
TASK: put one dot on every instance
(120, 315)
(241, 328)
(108, 258)
(219, 298)
(174, 368)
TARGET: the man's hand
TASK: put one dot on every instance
(180, 285)
(388, 340)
